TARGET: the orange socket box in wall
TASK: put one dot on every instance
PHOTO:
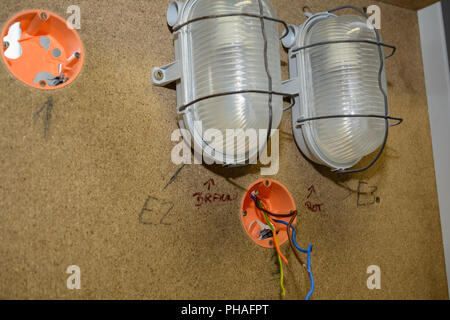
(47, 54)
(277, 199)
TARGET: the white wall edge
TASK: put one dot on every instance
(437, 77)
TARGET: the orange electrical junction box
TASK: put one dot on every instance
(41, 49)
(273, 197)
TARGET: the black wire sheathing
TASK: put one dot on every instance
(248, 15)
(394, 49)
(269, 76)
(399, 120)
(386, 116)
(286, 95)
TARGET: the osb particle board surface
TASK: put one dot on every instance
(412, 4)
(75, 195)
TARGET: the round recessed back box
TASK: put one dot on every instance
(276, 198)
(41, 49)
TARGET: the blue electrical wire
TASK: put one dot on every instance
(308, 252)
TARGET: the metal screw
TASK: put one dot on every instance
(42, 83)
(6, 44)
(44, 16)
(77, 55)
(244, 213)
(159, 75)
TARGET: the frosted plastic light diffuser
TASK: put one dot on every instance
(339, 79)
(223, 55)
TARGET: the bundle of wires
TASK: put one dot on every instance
(292, 240)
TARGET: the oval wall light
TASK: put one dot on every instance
(227, 72)
(337, 64)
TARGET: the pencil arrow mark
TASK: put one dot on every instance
(48, 107)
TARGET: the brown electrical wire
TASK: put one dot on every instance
(276, 215)
(293, 215)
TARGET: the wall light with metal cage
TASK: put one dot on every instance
(337, 67)
(227, 73)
